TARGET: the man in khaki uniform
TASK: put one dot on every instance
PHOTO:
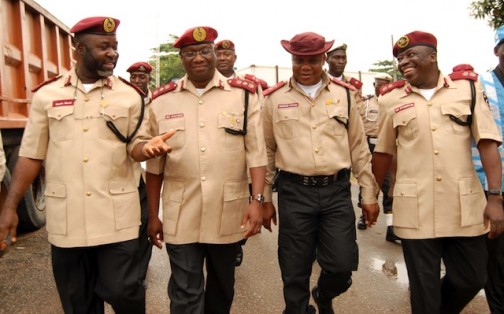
(337, 61)
(369, 113)
(206, 206)
(440, 211)
(314, 136)
(82, 124)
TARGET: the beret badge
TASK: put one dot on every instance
(403, 42)
(199, 34)
(226, 44)
(109, 25)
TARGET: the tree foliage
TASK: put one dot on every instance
(170, 65)
(490, 10)
(386, 66)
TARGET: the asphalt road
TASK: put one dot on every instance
(379, 286)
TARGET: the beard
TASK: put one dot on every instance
(94, 66)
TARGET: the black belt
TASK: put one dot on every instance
(316, 181)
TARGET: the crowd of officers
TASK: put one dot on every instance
(214, 142)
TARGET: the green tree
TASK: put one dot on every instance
(170, 66)
(491, 10)
(387, 66)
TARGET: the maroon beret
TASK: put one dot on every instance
(140, 67)
(99, 25)
(416, 38)
(307, 44)
(225, 45)
(196, 35)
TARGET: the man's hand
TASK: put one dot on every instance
(155, 232)
(494, 216)
(253, 216)
(156, 146)
(370, 213)
(8, 225)
(269, 214)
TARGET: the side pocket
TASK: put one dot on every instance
(126, 204)
(172, 201)
(235, 204)
(472, 202)
(405, 206)
(56, 206)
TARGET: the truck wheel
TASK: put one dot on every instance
(31, 209)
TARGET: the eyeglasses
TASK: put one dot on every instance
(190, 54)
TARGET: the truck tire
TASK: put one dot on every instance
(31, 209)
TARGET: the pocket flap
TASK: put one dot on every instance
(175, 191)
(55, 190)
(457, 110)
(235, 190)
(114, 112)
(121, 188)
(59, 113)
(290, 112)
(403, 117)
(469, 185)
(405, 189)
(337, 111)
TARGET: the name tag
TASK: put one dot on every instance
(404, 107)
(286, 106)
(63, 102)
(174, 116)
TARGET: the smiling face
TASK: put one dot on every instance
(96, 56)
(307, 70)
(199, 63)
(226, 59)
(418, 65)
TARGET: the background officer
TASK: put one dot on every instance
(493, 85)
(206, 208)
(440, 211)
(337, 61)
(369, 113)
(314, 136)
(140, 76)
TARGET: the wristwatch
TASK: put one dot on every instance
(495, 192)
(257, 197)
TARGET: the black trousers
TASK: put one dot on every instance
(186, 287)
(494, 288)
(144, 246)
(86, 277)
(315, 223)
(465, 260)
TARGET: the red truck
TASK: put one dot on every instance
(35, 47)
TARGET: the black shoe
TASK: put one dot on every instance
(391, 237)
(239, 256)
(361, 225)
(324, 305)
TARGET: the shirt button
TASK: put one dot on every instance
(85, 129)
(200, 102)
(436, 152)
(203, 178)
(86, 99)
(314, 126)
(429, 104)
(203, 149)
(202, 125)
(438, 178)
(434, 129)
(88, 193)
(316, 150)
(86, 159)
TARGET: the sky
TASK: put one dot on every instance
(256, 27)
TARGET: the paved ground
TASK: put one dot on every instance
(380, 285)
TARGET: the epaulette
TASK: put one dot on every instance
(340, 82)
(274, 88)
(163, 89)
(356, 83)
(52, 79)
(390, 87)
(134, 86)
(463, 71)
(243, 83)
(257, 80)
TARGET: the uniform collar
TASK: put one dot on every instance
(71, 79)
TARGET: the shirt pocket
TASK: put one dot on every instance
(287, 122)
(458, 111)
(234, 207)
(406, 124)
(119, 116)
(126, 204)
(61, 123)
(405, 205)
(177, 141)
(339, 115)
(56, 208)
(172, 202)
(472, 201)
(232, 124)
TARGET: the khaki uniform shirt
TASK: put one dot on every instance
(91, 195)
(303, 136)
(369, 114)
(205, 189)
(437, 192)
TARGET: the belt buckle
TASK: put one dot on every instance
(313, 181)
(325, 181)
